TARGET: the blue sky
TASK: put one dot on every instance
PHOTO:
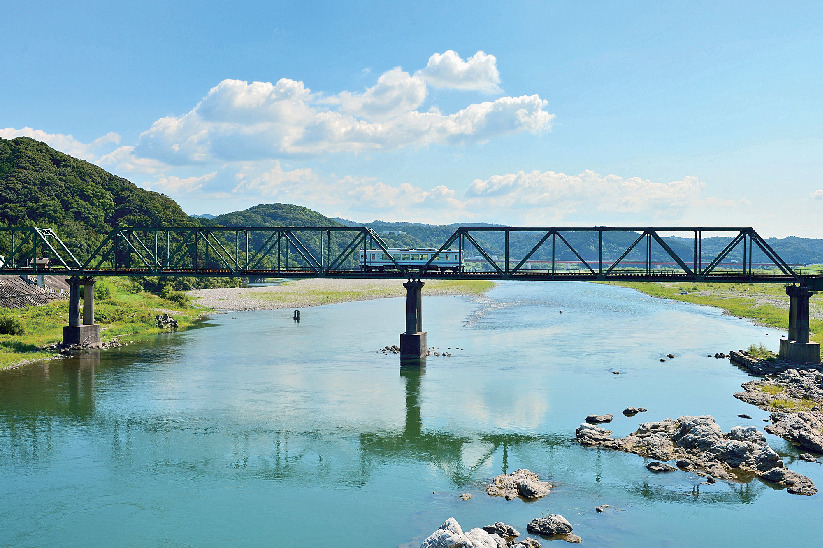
(523, 113)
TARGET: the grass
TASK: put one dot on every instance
(123, 311)
(760, 352)
(772, 389)
(766, 304)
(804, 404)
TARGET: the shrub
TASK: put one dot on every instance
(10, 325)
(177, 297)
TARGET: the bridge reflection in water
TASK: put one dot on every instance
(45, 407)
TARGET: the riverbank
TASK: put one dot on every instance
(124, 311)
(766, 304)
(321, 291)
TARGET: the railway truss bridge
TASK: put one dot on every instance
(642, 254)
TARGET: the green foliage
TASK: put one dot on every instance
(760, 352)
(177, 297)
(11, 325)
(44, 187)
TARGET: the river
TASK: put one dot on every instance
(255, 430)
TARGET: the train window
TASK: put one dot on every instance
(405, 257)
(396, 256)
(386, 257)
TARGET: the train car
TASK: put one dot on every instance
(377, 260)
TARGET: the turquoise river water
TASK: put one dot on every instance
(254, 430)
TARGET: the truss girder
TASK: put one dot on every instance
(332, 252)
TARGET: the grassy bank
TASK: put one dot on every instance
(121, 307)
(766, 304)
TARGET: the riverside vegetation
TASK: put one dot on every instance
(123, 307)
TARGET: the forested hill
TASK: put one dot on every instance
(41, 186)
(271, 215)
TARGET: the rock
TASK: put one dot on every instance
(808, 457)
(527, 542)
(795, 483)
(744, 416)
(466, 496)
(520, 483)
(165, 321)
(599, 419)
(593, 435)
(553, 524)
(571, 537)
(632, 411)
(502, 530)
(670, 356)
(657, 466)
(450, 534)
(804, 429)
(697, 444)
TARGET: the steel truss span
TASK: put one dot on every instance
(718, 254)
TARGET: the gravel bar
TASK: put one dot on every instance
(310, 292)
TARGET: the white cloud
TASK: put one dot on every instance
(818, 194)
(66, 143)
(395, 94)
(175, 186)
(241, 121)
(123, 160)
(560, 196)
(448, 70)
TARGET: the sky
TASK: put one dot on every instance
(519, 113)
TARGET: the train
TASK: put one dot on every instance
(376, 260)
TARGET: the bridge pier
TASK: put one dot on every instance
(797, 347)
(413, 341)
(87, 333)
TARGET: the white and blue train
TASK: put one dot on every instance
(376, 259)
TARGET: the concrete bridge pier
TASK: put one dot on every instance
(413, 341)
(797, 347)
(87, 333)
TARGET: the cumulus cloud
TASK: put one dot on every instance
(562, 195)
(448, 70)
(67, 144)
(358, 197)
(396, 93)
(818, 194)
(241, 121)
(173, 185)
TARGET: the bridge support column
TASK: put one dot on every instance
(413, 341)
(87, 334)
(797, 347)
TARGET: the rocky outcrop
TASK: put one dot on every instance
(503, 530)
(599, 419)
(520, 483)
(803, 428)
(451, 535)
(553, 526)
(698, 444)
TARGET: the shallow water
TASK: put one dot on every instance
(256, 430)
